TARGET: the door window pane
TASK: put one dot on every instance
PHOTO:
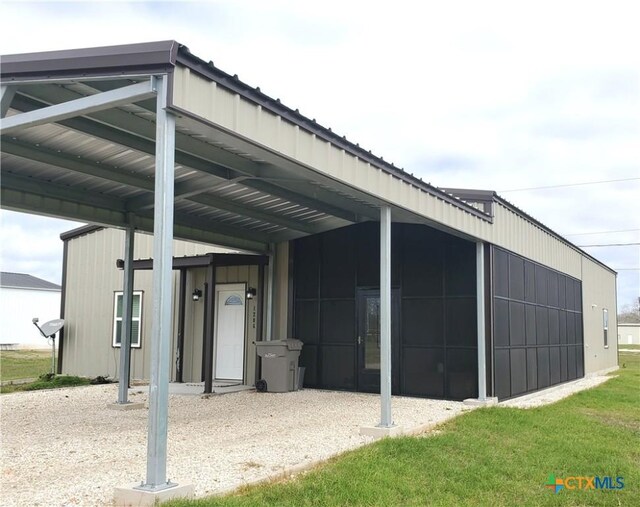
(372, 334)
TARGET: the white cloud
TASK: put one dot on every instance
(495, 94)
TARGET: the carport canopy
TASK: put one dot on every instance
(150, 137)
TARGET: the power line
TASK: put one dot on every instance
(626, 269)
(567, 185)
(610, 244)
(601, 232)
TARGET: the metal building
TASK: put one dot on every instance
(393, 285)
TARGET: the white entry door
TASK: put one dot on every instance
(229, 334)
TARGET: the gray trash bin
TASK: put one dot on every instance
(279, 365)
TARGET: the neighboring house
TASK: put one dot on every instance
(628, 334)
(23, 297)
(239, 168)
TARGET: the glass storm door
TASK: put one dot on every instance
(368, 340)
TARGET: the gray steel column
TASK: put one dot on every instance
(7, 92)
(385, 318)
(482, 356)
(127, 307)
(162, 311)
(270, 291)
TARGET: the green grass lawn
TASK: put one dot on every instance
(21, 364)
(494, 456)
(629, 347)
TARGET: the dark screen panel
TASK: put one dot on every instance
(307, 252)
(564, 372)
(338, 371)
(501, 323)
(501, 272)
(541, 285)
(338, 322)
(423, 322)
(462, 374)
(502, 373)
(516, 324)
(368, 259)
(529, 281)
(306, 321)
(423, 258)
(460, 268)
(554, 327)
(543, 367)
(423, 372)
(552, 289)
(562, 291)
(530, 324)
(309, 359)
(579, 362)
(516, 278)
(542, 325)
(562, 326)
(518, 371)
(460, 322)
(337, 268)
(554, 365)
(571, 362)
(532, 369)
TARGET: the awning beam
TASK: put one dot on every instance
(79, 107)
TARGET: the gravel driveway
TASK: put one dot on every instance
(64, 447)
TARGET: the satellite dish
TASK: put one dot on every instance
(52, 327)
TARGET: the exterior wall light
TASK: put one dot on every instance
(197, 294)
(251, 292)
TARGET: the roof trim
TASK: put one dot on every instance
(145, 58)
(80, 231)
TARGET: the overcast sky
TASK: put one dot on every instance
(491, 95)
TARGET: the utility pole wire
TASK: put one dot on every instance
(610, 244)
(566, 185)
(601, 232)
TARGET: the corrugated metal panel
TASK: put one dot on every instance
(514, 233)
(194, 93)
(598, 293)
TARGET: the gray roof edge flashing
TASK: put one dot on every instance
(140, 58)
(80, 231)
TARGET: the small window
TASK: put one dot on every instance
(605, 326)
(136, 318)
(233, 301)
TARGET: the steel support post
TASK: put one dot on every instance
(480, 309)
(162, 311)
(127, 307)
(270, 290)
(385, 318)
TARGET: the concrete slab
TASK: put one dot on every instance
(126, 406)
(133, 497)
(475, 402)
(379, 432)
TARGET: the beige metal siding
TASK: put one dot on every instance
(263, 129)
(92, 279)
(250, 121)
(598, 293)
(521, 236)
